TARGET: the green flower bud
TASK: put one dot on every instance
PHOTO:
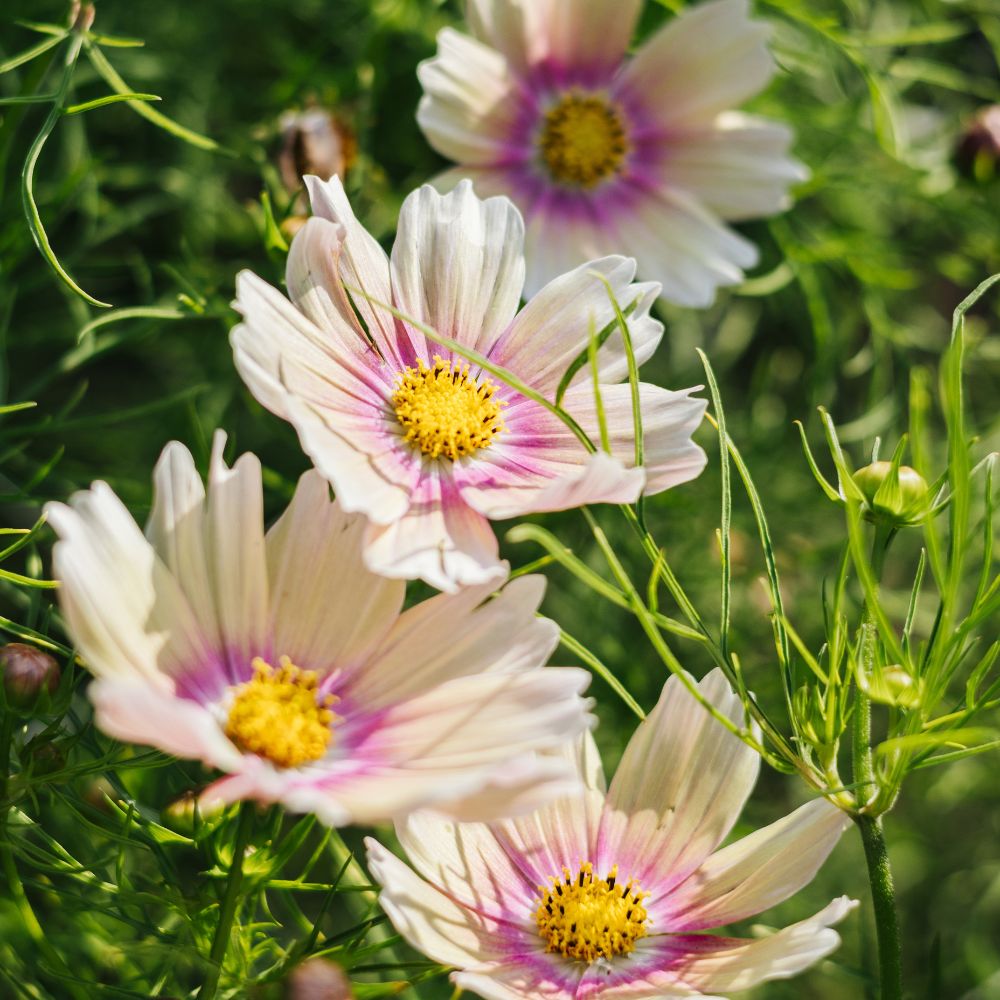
(189, 816)
(892, 685)
(30, 676)
(894, 496)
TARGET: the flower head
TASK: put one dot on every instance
(427, 445)
(608, 895)
(605, 153)
(279, 658)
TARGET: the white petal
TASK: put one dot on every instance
(363, 264)
(449, 636)
(557, 241)
(759, 871)
(738, 166)
(440, 539)
(709, 58)
(125, 612)
(681, 785)
(457, 266)
(429, 920)
(327, 608)
(739, 965)
(583, 39)
(470, 101)
(554, 329)
(684, 247)
(138, 712)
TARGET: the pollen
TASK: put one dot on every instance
(588, 918)
(445, 411)
(582, 141)
(280, 715)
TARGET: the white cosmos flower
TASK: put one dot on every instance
(605, 153)
(281, 660)
(428, 447)
(610, 894)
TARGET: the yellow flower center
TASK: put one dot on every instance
(583, 140)
(278, 715)
(446, 412)
(587, 918)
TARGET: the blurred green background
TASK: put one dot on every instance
(855, 289)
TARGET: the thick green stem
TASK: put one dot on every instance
(884, 900)
(230, 903)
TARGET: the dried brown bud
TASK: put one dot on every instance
(314, 142)
(978, 152)
(29, 675)
(318, 979)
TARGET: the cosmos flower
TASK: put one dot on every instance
(430, 447)
(280, 659)
(609, 894)
(604, 153)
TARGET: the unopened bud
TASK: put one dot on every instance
(314, 142)
(30, 676)
(188, 815)
(892, 685)
(898, 497)
(978, 152)
(318, 979)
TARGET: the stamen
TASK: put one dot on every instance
(445, 411)
(582, 140)
(593, 920)
(278, 714)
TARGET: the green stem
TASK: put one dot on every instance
(884, 900)
(230, 903)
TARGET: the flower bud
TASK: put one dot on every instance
(188, 815)
(30, 676)
(318, 979)
(314, 142)
(897, 497)
(977, 154)
(892, 685)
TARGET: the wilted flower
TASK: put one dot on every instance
(283, 661)
(314, 141)
(605, 153)
(978, 150)
(427, 446)
(318, 979)
(608, 894)
(29, 676)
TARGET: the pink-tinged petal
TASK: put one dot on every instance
(577, 40)
(649, 972)
(681, 785)
(737, 166)
(500, 635)
(429, 920)
(439, 539)
(554, 329)
(683, 246)
(598, 478)
(313, 551)
(312, 274)
(759, 871)
(564, 831)
(138, 712)
(519, 980)
(541, 465)
(457, 266)
(466, 861)
(487, 182)
(325, 393)
(456, 741)
(234, 549)
(558, 239)
(470, 103)
(734, 964)
(363, 265)
(127, 614)
(709, 58)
